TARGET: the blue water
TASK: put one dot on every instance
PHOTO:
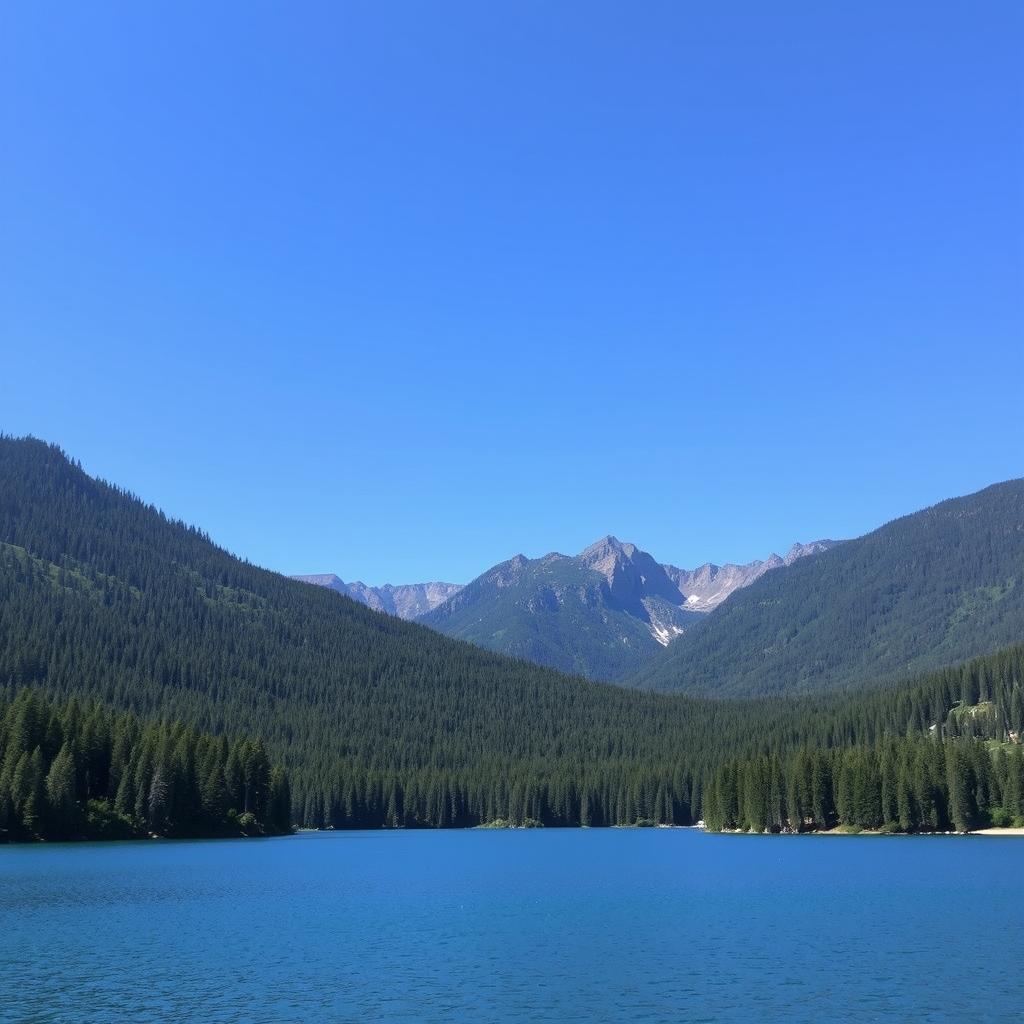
(619, 925)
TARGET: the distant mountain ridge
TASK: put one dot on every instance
(602, 613)
(702, 588)
(707, 586)
(407, 601)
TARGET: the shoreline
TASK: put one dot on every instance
(1007, 831)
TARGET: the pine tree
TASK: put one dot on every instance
(33, 813)
(63, 816)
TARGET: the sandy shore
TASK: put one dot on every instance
(874, 832)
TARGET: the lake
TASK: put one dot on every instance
(545, 925)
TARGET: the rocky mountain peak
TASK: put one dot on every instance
(506, 573)
(605, 547)
(799, 550)
(632, 574)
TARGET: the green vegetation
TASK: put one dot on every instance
(558, 612)
(930, 589)
(78, 771)
(379, 722)
(908, 785)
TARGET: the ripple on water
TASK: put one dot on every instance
(595, 926)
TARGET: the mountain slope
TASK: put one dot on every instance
(600, 614)
(929, 589)
(407, 600)
(603, 613)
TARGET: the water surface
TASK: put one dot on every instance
(546, 925)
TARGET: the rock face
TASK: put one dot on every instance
(707, 586)
(632, 574)
(407, 601)
(814, 548)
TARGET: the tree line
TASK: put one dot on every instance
(940, 753)
(911, 785)
(76, 770)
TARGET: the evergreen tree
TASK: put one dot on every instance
(62, 819)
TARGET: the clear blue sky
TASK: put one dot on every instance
(398, 290)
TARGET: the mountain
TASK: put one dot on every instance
(602, 613)
(704, 588)
(407, 600)
(707, 586)
(377, 721)
(566, 613)
(931, 588)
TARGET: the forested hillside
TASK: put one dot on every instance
(941, 754)
(379, 721)
(930, 589)
(376, 719)
(78, 771)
